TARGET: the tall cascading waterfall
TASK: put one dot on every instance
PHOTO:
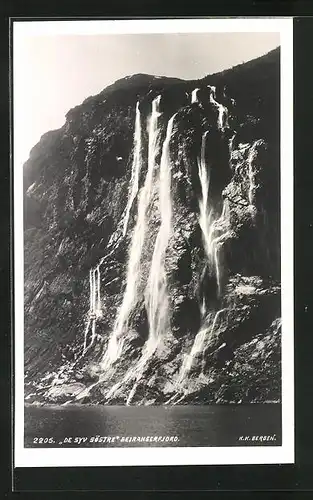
(95, 311)
(205, 215)
(130, 297)
(214, 231)
(251, 176)
(206, 221)
(156, 297)
(118, 236)
(220, 228)
(134, 182)
(156, 292)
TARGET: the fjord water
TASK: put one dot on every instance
(211, 425)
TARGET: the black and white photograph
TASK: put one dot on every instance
(153, 242)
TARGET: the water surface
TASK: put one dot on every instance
(212, 425)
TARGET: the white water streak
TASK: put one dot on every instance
(86, 333)
(205, 333)
(94, 291)
(211, 229)
(156, 293)
(189, 358)
(93, 332)
(251, 178)
(194, 95)
(91, 290)
(214, 230)
(98, 311)
(130, 297)
(218, 233)
(204, 177)
(134, 181)
(94, 306)
(222, 121)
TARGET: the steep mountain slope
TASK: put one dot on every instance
(152, 244)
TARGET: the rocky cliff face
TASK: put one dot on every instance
(152, 244)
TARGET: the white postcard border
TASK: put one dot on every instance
(60, 457)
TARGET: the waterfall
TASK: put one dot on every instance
(94, 306)
(194, 95)
(91, 308)
(189, 358)
(212, 234)
(231, 143)
(204, 218)
(251, 178)
(211, 228)
(222, 121)
(217, 230)
(130, 297)
(118, 236)
(156, 292)
(205, 334)
(214, 230)
(218, 233)
(91, 284)
(98, 306)
(85, 335)
(134, 182)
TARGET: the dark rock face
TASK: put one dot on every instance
(217, 279)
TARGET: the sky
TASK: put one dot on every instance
(53, 73)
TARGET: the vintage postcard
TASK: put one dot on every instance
(153, 242)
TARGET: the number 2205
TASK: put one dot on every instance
(37, 440)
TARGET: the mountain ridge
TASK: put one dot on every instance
(269, 57)
(152, 245)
